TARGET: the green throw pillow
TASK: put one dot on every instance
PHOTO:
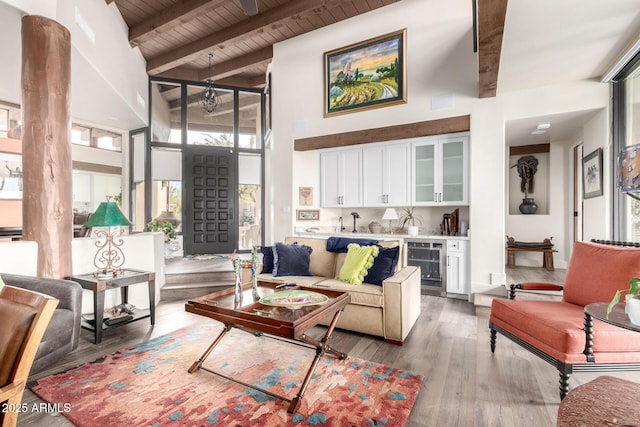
(358, 261)
(1, 283)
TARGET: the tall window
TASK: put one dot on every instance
(178, 121)
(626, 132)
(96, 138)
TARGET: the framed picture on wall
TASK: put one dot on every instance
(10, 176)
(365, 75)
(308, 215)
(592, 174)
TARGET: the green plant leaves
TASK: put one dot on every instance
(634, 289)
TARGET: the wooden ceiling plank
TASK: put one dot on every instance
(236, 65)
(243, 29)
(389, 133)
(170, 18)
(491, 17)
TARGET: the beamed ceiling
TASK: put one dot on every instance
(176, 36)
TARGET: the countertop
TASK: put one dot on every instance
(379, 236)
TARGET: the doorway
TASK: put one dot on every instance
(210, 204)
(578, 230)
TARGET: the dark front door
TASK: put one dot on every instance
(209, 215)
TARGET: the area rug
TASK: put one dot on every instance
(149, 385)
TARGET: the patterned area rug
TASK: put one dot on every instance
(149, 385)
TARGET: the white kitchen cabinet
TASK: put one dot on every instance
(387, 175)
(341, 178)
(457, 267)
(440, 171)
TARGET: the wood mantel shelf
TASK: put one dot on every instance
(389, 133)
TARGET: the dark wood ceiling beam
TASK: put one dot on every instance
(169, 18)
(491, 18)
(263, 22)
(247, 82)
(180, 73)
(225, 100)
(237, 65)
(389, 133)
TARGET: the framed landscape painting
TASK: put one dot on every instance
(366, 75)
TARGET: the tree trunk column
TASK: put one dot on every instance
(47, 215)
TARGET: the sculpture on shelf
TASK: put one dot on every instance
(527, 168)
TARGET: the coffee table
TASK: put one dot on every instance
(280, 322)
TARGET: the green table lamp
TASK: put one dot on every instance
(109, 259)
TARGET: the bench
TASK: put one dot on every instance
(545, 247)
(547, 256)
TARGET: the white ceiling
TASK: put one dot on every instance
(549, 42)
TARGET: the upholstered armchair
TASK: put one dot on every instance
(63, 332)
(554, 330)
(25, 316)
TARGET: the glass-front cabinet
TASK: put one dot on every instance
(440, 171)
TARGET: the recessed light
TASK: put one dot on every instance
(544, 126)
(538, 132)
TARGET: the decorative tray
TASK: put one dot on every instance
(294, 299)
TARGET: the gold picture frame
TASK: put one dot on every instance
(365, 75)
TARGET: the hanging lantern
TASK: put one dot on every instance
(208, 99)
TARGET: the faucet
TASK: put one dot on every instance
(342, 227)
(355, 215)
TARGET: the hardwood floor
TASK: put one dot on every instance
(465, 384)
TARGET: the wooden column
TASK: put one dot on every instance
(47, 215)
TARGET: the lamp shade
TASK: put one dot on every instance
(108, 214)
(390, 213)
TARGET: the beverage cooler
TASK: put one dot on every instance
(430, 256)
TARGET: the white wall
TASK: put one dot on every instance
(534, 228)
(597, 210)
(20, 257)
(439, 61)
(103, 65)
(143, 251)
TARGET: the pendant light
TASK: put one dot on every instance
(208, 99)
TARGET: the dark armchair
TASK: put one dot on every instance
(63, 332)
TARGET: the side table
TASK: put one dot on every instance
(124, 278)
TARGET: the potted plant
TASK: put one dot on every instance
(632, 303)
(409, 218)
(165, 226)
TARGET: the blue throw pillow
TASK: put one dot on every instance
(339, 244)
(267, 259)
(291, 260)
(384, 265)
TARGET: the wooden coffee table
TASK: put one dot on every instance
(278, 322)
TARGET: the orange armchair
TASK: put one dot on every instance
(554, 330)
(25, 316)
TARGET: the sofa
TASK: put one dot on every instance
(388, 310)
(63, 332)
(557, 331)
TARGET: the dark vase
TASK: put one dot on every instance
(528, 206)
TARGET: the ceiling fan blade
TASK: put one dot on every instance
(249, 7)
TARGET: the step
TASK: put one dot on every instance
(199, 276)
(181, 291)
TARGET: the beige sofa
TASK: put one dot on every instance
(388, 311)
